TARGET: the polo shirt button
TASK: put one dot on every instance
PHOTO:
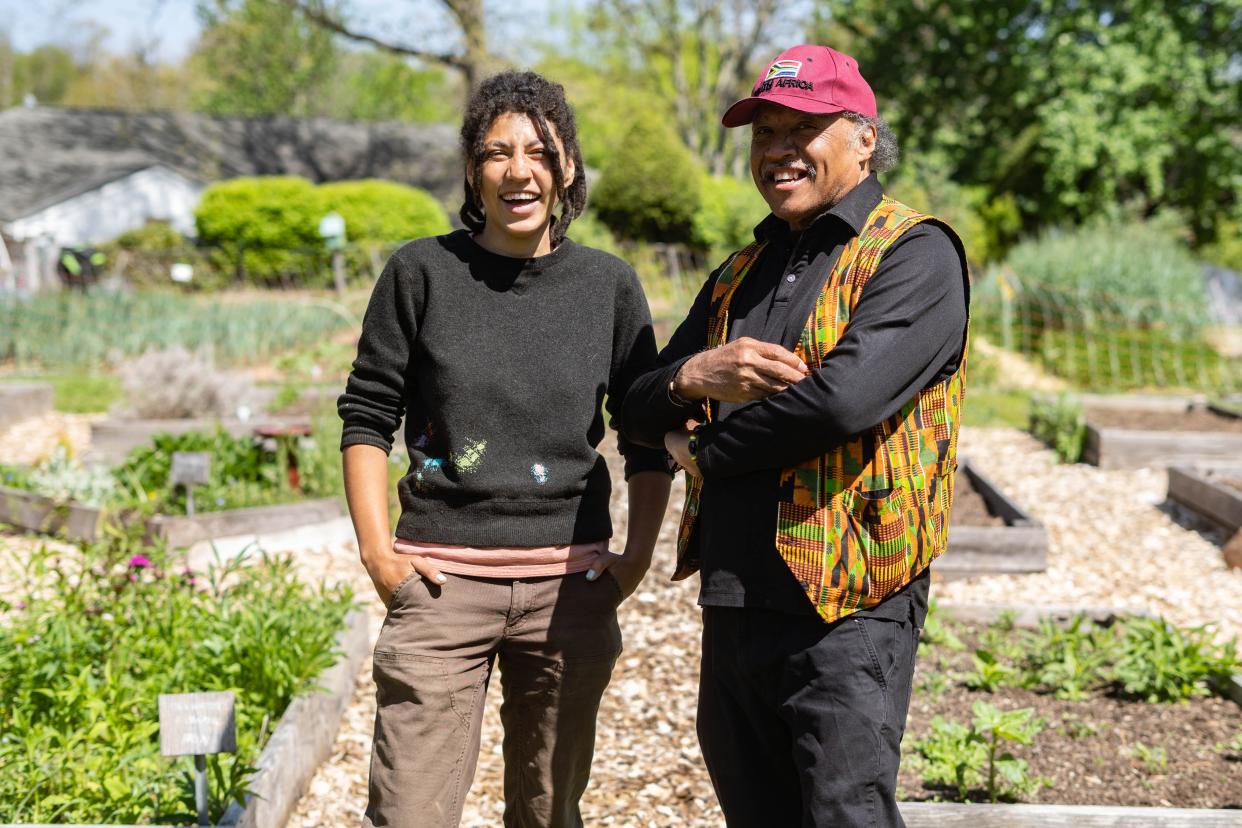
(791, 278)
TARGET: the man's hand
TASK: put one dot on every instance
(388, 569)
(677, 444)
(627, 569)
(742, 371)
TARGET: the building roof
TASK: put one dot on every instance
(49, 154)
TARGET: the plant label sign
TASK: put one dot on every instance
(191, 468)
(197, 724)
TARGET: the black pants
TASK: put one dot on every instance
(801, 721)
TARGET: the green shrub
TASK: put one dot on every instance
(266, 226)
(1060, 423)
(383, 211)
(727, 216)
(144, 258)
(650, 187)
(102, 634)
(1160, 663)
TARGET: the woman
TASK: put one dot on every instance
(499, 342)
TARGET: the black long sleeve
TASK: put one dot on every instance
(909, 326)
(500, 366)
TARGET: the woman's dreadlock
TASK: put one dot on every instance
(543, 101)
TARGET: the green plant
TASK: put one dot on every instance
(1158, 662)
(937, 633)
(1069, 660)
(1077, 727)
(1060, 423)
(977, 756)
(989, 674)
(650, 188)
(934, 683)
(1234, 747)
(103, 632)
(1154, 759)
(63, 330)
(62, 477)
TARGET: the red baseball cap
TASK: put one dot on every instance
(812, 79)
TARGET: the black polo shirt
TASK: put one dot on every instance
(906, 333)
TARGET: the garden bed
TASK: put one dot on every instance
(22, 400)
(989, 534)
(1102, 743)
(1214, 493)
(112, 439)
(100, 632)
(74, 521)
(1149, 435)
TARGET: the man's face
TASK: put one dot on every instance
(804, 164)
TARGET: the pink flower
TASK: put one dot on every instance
(139, 561)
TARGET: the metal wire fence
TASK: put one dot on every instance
(1103, 341)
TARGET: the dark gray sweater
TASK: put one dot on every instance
(502, 366)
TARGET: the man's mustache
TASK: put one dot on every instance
(767, 170)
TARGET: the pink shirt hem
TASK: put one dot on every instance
(503, 561)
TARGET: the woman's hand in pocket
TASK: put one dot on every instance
(388, 569)
(627, 570)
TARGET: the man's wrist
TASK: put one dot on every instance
(678, 393)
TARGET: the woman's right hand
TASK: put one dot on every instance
(388, 569)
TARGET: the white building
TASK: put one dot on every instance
(113, 202)
(73, 177)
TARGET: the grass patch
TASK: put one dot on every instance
(78, 392)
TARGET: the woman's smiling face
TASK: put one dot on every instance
(517, 186)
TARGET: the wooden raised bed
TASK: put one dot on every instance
(37, 513)
(1016, 543)
(1160, 435)
(22, 400)
(1204, 490)
(111, 440)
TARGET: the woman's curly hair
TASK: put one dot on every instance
(543, 101)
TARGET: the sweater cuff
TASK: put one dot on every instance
(642, 459)
(358, 436)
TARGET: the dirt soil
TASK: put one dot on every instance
(1091, 750)
(1195, 419)
(969, 507)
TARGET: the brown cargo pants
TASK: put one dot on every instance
(555, 640)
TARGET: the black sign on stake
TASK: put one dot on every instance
(190, 469)
(196, 724)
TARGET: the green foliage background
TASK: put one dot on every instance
(650, 188)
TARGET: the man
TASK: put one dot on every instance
(813, 395)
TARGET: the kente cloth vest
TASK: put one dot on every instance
(859, 522)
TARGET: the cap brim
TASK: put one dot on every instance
(743, 112)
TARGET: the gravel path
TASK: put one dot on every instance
(1113, 540)
(1114, 543)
